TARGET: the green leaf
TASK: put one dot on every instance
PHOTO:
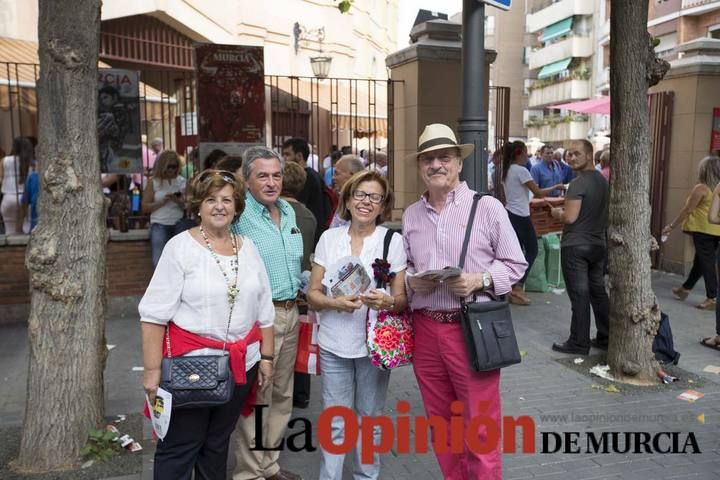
(96, 434)
(109, 436)
(612, 389)
(344, 6)
(85, 450)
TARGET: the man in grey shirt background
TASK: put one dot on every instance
(582, 251)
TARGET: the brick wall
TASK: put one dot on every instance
(129, 267)
(541, 218)
(13, 276)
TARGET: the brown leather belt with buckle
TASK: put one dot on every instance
(441, 316)
(286, 304)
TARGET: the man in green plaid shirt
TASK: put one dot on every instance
(270, 223)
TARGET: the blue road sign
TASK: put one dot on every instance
(504, 4)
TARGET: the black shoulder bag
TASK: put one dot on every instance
(487, 326)
(203, 380)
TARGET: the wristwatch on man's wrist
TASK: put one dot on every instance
(486, 280)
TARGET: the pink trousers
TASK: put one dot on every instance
(444, 376)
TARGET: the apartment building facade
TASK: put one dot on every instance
(561, 56)
(505, 34)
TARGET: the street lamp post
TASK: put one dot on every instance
(473, 125)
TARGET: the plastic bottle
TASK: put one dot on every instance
(135, 200)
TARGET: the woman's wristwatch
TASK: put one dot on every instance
(269, 358)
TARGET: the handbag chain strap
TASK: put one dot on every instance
(232, 305)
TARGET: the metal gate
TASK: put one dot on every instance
(499, 116)
(660, 129)
(326, 112)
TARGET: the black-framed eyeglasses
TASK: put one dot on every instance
(227, 176)
(359, 195)
(173, 167)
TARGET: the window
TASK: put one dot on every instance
(490, 25)
(714, 31)
(667, 43)
(526, 56)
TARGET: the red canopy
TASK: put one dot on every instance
(594, 105)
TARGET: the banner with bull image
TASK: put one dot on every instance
(231, 97)
(118, 121)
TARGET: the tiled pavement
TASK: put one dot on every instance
(539, 386)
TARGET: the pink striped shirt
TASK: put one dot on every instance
(433, 240)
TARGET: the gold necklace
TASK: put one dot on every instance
(232, 289)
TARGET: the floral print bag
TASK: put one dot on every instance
(389, 334)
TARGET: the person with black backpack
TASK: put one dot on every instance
(312, 196)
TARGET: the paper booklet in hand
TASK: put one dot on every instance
(439, 275)
(347, 277)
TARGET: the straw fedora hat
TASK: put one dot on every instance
(437, 136)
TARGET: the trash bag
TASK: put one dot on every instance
(663, 343)
(553, 269)
(536, 280)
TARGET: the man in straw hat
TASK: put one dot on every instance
(434, 230)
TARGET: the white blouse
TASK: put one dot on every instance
(344, 334)
(189, 289)
(171, 212)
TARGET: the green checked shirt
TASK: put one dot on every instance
(280, 249)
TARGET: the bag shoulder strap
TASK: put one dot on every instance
(386, 248)
(386, 243)
(468, 229)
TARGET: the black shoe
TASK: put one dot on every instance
(297, 403)
(599, 344)
(567, 347)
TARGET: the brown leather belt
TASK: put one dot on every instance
(286, 304)
(441, 316)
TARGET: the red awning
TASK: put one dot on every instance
(595, 105)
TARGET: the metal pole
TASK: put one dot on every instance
(473, 125)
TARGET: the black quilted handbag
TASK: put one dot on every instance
(202, 381)
(487, 326)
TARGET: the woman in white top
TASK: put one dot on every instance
(163, 199)
(206, 279)
(349, 378)
(13, 173)
(517, 186)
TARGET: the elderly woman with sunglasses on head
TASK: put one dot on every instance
(164, 200)
(349, 378)
(210, 292)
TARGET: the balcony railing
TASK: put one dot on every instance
(560, 132)
(562, 92)
(696, 3)
(575, 46)
(554, 11)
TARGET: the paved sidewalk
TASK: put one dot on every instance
(539, 386)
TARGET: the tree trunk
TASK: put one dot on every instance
(66, 254)
(634, 313)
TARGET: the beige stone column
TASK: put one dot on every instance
(695, 80)
(428, 89)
